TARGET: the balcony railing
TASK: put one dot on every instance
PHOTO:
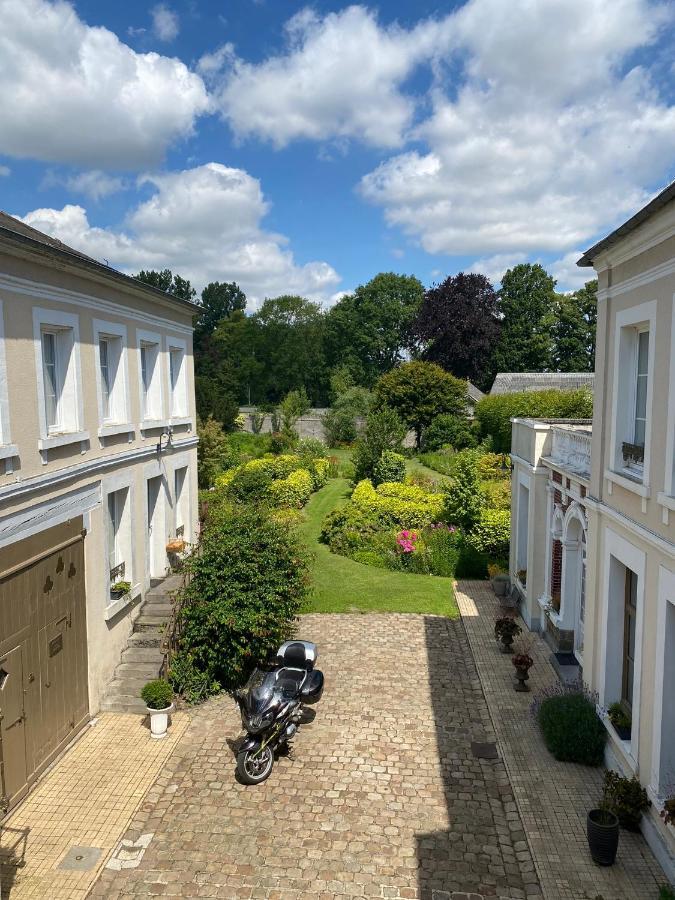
(571, 448)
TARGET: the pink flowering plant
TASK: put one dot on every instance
(406, 541)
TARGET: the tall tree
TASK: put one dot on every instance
(168, 282)
(457, 326)
(219, 300)
(574, 329)
(526, 302)
(420, 391)
(369, 330)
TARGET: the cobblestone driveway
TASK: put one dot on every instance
(381, 797)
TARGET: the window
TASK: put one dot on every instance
(52, 386)
(180, 499)
(151, 381)
(58, 380)
(110, 338)
(629, 620)
(106, 382)
(641, 389)
(177, 381)
(116, 562)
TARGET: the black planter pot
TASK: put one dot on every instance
(602, 830)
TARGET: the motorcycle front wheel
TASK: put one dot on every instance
(252, 768)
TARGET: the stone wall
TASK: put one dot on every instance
(310, 425)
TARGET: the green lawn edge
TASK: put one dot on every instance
(340, 585)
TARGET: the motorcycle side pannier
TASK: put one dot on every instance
(313, 688)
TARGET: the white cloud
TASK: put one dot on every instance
(76, 94)
(165, 25)
(548, 136)
(5, 171)
(94, 183)
(203, 223)
(568, 275)
(341, 77)
(493, 267)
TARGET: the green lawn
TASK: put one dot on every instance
(415, 467)
(342, 585)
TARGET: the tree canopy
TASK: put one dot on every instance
(527, 302)
(419, 391)
(573, 330)
(458, 325)
(168, 282)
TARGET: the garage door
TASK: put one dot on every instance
(43, 653)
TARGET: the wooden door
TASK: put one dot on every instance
(13, 721)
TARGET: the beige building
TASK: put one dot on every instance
(600, 577)
(98, 469)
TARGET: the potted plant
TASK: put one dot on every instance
(158, 698)
(499, 578)
(626, 798)
(668, 811)
(506, 629)
(621, 720)
(175, 545)
(119, 589)
(522, 662)
(522, 576)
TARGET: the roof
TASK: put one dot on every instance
(475, 393)
(512, 382)
(661, 200)
(17, 232)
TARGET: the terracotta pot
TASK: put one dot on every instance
(175, 546)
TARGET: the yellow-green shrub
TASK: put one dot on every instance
(293, 491)
(490, 466)
(319, 473)
(497, 494)
(404, 504)
(223, 480)
(492, 532)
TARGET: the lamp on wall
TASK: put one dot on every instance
(168, 434)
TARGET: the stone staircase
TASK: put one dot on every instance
(142, 659)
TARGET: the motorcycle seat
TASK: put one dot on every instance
(290, 680)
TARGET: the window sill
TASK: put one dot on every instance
(621, 748)
(7, 451)
(154, 424)
(661, 498)
(114, 609)
(112, 430)
(61, 440)
(628, 483)
(181, 420)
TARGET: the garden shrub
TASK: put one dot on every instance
(494, 413)
(339, 426)
(187, 681)
(157, 694)
(319, 470)
(472, 563)
(448, 429)
(492, 532)
(293, 491)
(383, 431)
(464, 498)
(247, 483)
(233, 623)
(571, 729)
(310, 448)
(369, 558)
(399, 504)
(490, 466)
(389, 467)
(497, 494)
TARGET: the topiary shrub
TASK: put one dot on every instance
(464, 499)
(571, 729)
(448, 430)
(247, 585)
(626, 798)
(389, 467)
(157, 694)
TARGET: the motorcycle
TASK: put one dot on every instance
(271, 707)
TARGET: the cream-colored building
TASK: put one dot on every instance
(98, 469)
(601, 575)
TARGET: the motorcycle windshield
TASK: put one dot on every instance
(261, 692)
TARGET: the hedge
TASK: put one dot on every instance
(390, 467)
(275, 478)
(492, 532)
(403, 504)
(293, 491)
(494, 413)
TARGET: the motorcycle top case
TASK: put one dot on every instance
(313, 688)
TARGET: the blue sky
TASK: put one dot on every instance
(298, 148)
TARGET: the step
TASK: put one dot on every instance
(165, 587)
(142, 653)
(124, 704)
(129, 684)
(157, 606)
(149, 623)
(140, 669)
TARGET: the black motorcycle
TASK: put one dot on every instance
(271, 707)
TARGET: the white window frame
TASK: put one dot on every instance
(666, 598)
(8, 450)
(181, 500)
(667, 498)
(157, 419)
(70, 430)
(119, 420)
(179, 410)
(624, 387)
(120, 482)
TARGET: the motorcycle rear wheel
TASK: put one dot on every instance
(254, 769)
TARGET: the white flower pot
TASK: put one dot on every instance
(159, 721)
